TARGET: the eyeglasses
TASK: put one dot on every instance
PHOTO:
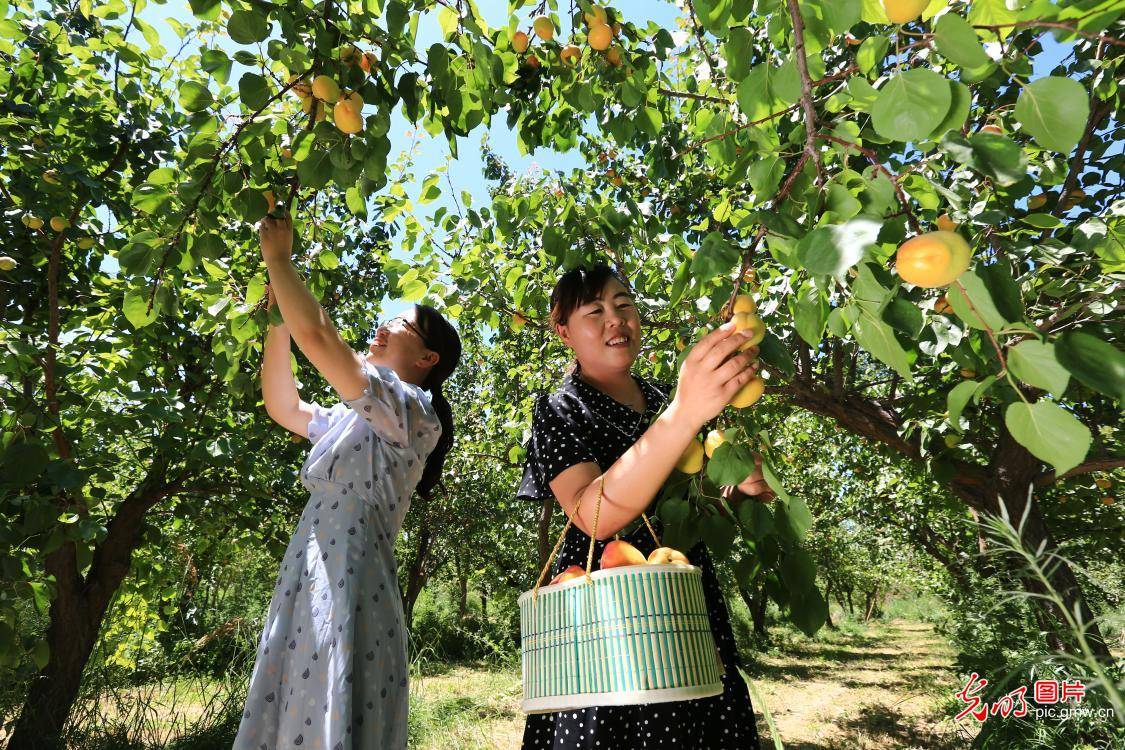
(409, 325)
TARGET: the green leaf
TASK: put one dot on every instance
(1094, 362)
(194, 96)
(911, 105)
(150, 199)
(956, 40)
(1042, 221)
(715, 256)
(832, 250)
(135, 307)
(1049, 432)
(730, 464)
(23, 462)
(216, 62)
(719, 534)
(253, 90)
(810, 314)
(248, 26)
(961, 100)
(798, 571)
(755, 517)
(315, 171)
(879, 340)
(774, 353)
(995, 156)
(957, 399)
(871, 53)
(1054, 110)
(738, 50)
(1034, 363)
(207, 10)
(973, 303)
(808, 611)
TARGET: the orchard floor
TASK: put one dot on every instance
(884, 686)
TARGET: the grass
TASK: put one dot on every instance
(887, 685)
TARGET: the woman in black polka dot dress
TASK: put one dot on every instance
(604, 420)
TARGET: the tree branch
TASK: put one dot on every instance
(1101, 463)
(806, 88)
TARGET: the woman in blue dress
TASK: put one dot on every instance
(331, 667)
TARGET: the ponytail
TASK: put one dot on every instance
(436, 460)
(442, 338)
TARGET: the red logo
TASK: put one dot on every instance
(1044, 692)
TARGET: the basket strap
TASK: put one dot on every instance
(562, 536)
(594, 531)
(648, 525)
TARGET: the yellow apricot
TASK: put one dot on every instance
(600, 37)
(933, 259)
(348, 119)
(325, 88)
(946, 224)
(749, 321)
(544, 29)
(570, 54)
(744, 303)
(749, 394)
(904, 11)
(691, 460)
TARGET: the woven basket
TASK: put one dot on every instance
(629, 635)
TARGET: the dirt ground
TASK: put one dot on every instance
(886, 686)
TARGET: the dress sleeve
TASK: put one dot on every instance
(399, 413)
(561, 437)
(323, 419)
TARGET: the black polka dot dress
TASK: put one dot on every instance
(576, 424)
(331, 669)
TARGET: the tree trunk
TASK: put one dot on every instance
(851, 604)
(545, 514)
(77, 612)
(869, 607)
(1015, 473)
(828, 601)
(463, 590)
(416, 575)
(757, 607)
(1010, 475)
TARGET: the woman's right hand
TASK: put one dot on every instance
(713, 371)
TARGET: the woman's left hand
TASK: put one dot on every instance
(753, 485)
(276, 236)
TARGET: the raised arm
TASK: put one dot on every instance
(710, 376)
(305, 319)
(279, 391)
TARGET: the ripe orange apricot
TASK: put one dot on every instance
(600, 37)
(570, 54)
(613, 56)
(946, 224)
(520, 42)
(994, 129)
(933, 259)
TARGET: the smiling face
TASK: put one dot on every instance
(605, 333)
(398, 344)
